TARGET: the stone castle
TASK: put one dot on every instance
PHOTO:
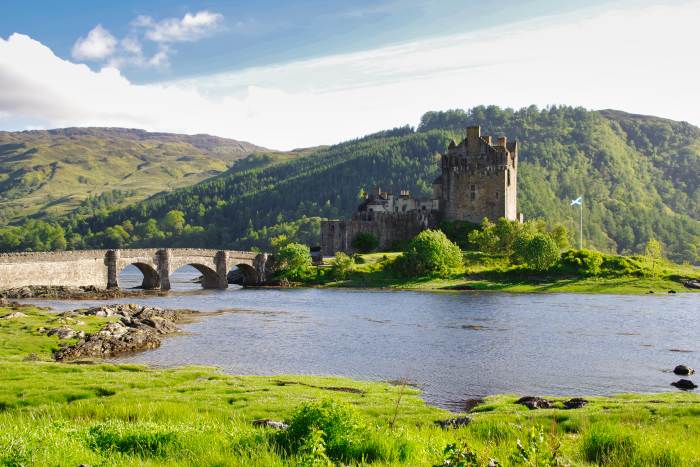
(479, 178)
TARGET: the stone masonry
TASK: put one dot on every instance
(101, 268)
(478, 179)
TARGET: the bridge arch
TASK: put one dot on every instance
(243, 274)
(151, 278)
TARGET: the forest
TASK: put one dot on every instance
(638, 176)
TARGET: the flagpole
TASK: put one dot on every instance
(580, 238)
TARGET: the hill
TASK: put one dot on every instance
(638, 176)
(52, 172)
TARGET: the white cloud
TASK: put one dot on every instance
(99, 44)
(190, 27)
(638, 60)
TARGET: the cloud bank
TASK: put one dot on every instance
(637, 60)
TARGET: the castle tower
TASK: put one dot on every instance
(479, 179)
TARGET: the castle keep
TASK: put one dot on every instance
(479, 178)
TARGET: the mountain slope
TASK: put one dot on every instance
(638, 176)
(52, 172)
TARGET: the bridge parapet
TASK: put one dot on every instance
(101, 268)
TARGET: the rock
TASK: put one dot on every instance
(575, 403)
(139, 328)
(671, 291)
(63, 332)
(692, 283)
(16, 314)
(684, 384)
(453, 422)
(532, 402)
(267, 423)
(683, 370)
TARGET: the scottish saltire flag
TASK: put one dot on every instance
(578, 201)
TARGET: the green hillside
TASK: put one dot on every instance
(52, 172)
(638, 175)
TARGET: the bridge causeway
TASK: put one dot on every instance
(101, 268)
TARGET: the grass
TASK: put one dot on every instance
(114, 414)
(483, 272)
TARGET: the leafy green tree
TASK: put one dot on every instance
(342, 265)
(540, 252)
(364, 242)
(430, 252)
(654, 253)
(173, 222)
(293, 261)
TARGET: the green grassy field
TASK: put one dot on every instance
(100, 413)
(488, 273)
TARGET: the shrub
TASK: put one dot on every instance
(342, 265)
(340, 429)
(583, 262)
(429, 252)
(539, 252)
(293, 261)
(365, 242)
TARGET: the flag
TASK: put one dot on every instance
(578, 201)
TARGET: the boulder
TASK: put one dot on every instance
(267, 423)
(575, 403)
(63, 332)
(683, 370)
(453, 422)
(16, 314)
(684, 384)
(532, 402)
(692, 283)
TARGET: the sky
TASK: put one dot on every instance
(287, 75)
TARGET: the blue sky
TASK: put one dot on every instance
(267, 31)
(287, 75)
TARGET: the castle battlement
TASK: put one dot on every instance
(478, 179)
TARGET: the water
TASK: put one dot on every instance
(453, 346)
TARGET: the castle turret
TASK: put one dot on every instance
(479, 179)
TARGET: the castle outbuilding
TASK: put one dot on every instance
(478, 179)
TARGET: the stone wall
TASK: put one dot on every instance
(391, 229)
(101, 268)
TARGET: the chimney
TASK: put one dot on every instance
(502, 141)
(473, 143)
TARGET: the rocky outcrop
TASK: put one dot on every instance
(14, 315)
(138, 328)
(532, 402)
(267, 423)
(684, 384)
(692, 283)
(71, 293)
(683, 370)
(575, 403)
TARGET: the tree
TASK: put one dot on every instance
(173, 222)
(293, 261)
(364, 242)
(540, 252)
(342, 265)
(654, 253)
(430, 252)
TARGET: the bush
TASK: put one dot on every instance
(342, 265)
(540, 252)
(365, 242)
(293, 261)
(327, 427)
(583, 262)
(430, 252)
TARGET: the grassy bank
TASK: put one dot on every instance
(107, 414)
(493, 273)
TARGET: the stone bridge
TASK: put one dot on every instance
(101, 268)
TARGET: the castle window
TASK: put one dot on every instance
(472, 195)
(496, 195)
(508, 172)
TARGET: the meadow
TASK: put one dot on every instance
(101, 413)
